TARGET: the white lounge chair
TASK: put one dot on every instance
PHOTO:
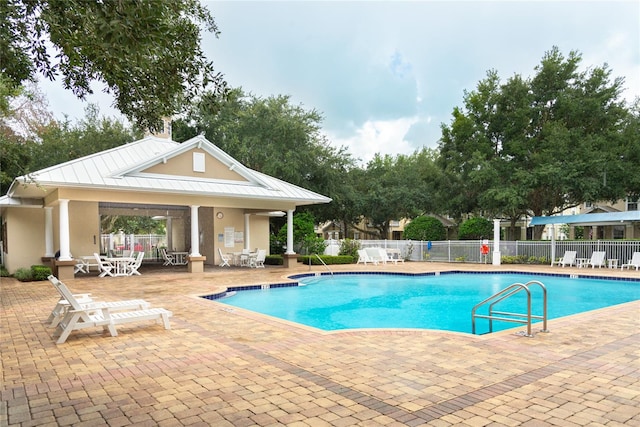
(363, 257)
(86, 301)
(569, 259)
(79, 317)
(104, 267)
(224, 259)
(374, 254)
(633, 262)
(257, 261)
(134, 266)
(63, 305)
(597, 259)
(384, 255)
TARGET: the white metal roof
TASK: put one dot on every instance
(121, 168)
(608, 218)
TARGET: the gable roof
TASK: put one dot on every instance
(124, 168)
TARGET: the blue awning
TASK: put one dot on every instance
(608, 218)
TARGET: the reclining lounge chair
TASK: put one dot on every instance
(82, 317)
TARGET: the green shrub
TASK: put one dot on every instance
(40, 272)
(23, 274)
(313, 244)
(349, 247)
(513, 259)
(4, 272)
(523, 259)
(328, 259)
(274, 260)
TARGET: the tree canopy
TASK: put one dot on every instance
(146, 53)
(537, 145)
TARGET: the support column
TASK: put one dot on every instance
(290, 258)
(196, 260)
(289, 250)
(65, 251)
(195, 236)
(64, 265)
(247, 232)
(169, 227)
(496, 242)
(48, 232)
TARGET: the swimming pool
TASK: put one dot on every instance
(427, 301)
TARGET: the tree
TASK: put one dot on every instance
(274, 137)
(424, 228)
(54, 143)
(303, 228)
(475, 228)
(131, 225)
(393, 188)
(529, 145)
(65, 141)
(146, 53)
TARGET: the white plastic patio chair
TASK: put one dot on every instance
(597, 259)
(168, 258)
(257, 261)
(569, 259)
(104, 266)
(134, 266)
(633, 262)
(224, 259)
(363, 257)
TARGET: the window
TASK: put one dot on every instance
(632, 205)
(618, 231)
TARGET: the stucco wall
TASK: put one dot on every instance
(25, 238)
(234, 218)
(84, 228)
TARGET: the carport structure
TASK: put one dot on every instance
(628, 219)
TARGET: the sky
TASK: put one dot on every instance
(385, 75)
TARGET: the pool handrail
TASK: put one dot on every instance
(504, 294)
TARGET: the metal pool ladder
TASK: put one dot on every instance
(325, 265)
(512, 317)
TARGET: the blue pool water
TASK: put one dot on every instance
(445, 301)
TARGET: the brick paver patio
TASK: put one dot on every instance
(228, 367)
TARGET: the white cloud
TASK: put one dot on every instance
(379, 136)
(385, 74)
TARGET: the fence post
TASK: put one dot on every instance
(496, 242)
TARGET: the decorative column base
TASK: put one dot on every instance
(63, 270)
(196, 263)
(289, 260)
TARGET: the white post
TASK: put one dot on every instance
(496, 242)
(553, 242)
(289, 250)
(65, 251)
(169, 227)
(195, 240)
(247, 232)
(48, 232)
